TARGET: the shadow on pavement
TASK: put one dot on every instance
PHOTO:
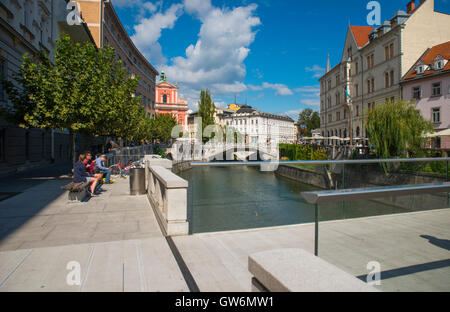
(441, 243)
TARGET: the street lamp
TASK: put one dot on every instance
(350, 105)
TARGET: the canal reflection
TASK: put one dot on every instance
(236, 198)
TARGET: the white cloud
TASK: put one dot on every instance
(308, 89)
(316, 70)
(198, 7)
(293, 113)
(143, 6)
(148, 32)
(280, 88)
(216, 60)
(310, 102)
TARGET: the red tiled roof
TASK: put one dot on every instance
(429, 57)
(361, 34)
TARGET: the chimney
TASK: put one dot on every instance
(410, 6)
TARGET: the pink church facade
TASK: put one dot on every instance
(168, 102)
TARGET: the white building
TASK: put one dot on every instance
(261, 128)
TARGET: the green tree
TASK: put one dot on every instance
(85, 89)
(161, 127)
(396, 129)
(309, 120)
(206, 110)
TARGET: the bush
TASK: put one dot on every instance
(159, 151)
(301, 152)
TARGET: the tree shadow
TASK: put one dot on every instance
(441, 243)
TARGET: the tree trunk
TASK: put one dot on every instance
(72, 140)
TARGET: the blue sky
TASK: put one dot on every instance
(268, 52)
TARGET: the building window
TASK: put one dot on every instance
(386, 80)
(389, 51)
(436, 115)
(371, 85)
(357, 110)
(420, 69)
(165, 98)
(27, 14)
(337, 80)
(370, 61)
(2, 144)
(436, 91)
(338, 116)
(356, 68)
(439, 65)
(391, 78)
(356, 90)
(2, 76)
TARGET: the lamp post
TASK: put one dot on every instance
(350, 105)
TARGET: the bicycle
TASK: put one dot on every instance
(122, 170)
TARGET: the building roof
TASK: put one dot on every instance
(245, 109)
(428, 58)
(361, 34)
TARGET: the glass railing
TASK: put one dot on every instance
(226, 196)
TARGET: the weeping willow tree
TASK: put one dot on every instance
(396, 130)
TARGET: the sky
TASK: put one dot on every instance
(268, 53)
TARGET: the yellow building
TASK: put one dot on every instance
(234, 107)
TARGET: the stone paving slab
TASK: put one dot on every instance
(43, 217)
(409, 262)
(119, 266)
(115, 238)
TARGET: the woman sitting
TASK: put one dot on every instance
(80, 175)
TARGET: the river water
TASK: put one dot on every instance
(236, 198)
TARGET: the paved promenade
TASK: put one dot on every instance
(114, 237)
(413, 250)
(117, 242)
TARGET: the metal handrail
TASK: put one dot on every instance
(318, 197)
(318, 162)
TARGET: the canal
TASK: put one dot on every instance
(236, 198)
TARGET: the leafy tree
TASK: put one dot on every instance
(309, 120)
(396, 130)
(161, 127)
(85, 89)
(206, 110)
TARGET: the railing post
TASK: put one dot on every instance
(448, 194)
(343, 187)
(316, 230)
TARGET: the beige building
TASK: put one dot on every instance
(31, 26)
(106, 29)
(373, 62)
